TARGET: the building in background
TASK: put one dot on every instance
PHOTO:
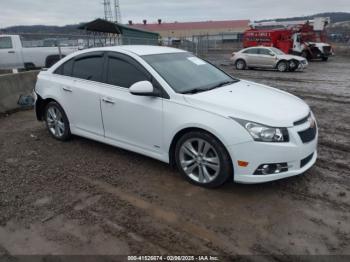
(231, 29)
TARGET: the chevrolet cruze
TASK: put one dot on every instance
(170, 105)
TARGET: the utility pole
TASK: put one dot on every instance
(117, 12)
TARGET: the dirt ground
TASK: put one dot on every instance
(83, 197)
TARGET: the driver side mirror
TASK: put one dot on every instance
(142, 88)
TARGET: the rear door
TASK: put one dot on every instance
(80, 92)
(9, 54)
(252, 56)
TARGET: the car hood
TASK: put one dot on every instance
(318, 44)
(254, 102)
(288, 57)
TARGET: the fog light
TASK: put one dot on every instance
(269, 169)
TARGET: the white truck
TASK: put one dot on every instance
(13, 55)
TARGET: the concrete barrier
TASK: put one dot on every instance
(13, 86)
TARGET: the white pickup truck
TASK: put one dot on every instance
(13, 55)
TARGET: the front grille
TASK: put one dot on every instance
(327, 49)
(306, 160)
(308, 135)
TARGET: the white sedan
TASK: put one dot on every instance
(267, 57)
(170, 105)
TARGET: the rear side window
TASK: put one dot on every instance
(264, 51)
(252, 51)
(65, 69)
(122, 73)
(5, 43)
(88, 68)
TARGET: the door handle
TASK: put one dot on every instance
(108, 100)
(11, 52)
(67, 89)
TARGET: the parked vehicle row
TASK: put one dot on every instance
(267, 57)
(170, 105)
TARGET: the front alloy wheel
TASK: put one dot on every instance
(293, 65)
(199, 160)
(203, 160)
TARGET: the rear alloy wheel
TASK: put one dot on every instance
(241, 64)
(293, 65)
(282, 66)
(57, 122)
(203, 160)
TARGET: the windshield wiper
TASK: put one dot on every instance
(224, 83)
(199, 90)
(194, 91)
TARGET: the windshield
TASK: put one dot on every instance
(186, 73)
(277, 51)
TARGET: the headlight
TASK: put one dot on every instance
(262, 133)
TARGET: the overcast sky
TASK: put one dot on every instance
(62, 12)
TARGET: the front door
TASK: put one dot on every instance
(132, 120)
(266, 58)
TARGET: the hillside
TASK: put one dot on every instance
(43, 29)
(335, 17)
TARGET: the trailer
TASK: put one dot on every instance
(303, 38)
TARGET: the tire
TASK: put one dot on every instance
(293, 65)
(324, 59)
(306, 55)
(29, 66)
(57, 122)
(282, 66)
(241, 64)
(193, 161)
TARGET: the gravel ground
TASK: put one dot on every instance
(83, 197)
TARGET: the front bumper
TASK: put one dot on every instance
(258, 153)
(303, 65)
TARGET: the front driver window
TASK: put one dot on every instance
(5, 43)
(123, 74)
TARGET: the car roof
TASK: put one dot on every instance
(140, 50)
(258, 46)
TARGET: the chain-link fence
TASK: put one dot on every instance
(203, 44)
(41, 50)
(43, 47)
